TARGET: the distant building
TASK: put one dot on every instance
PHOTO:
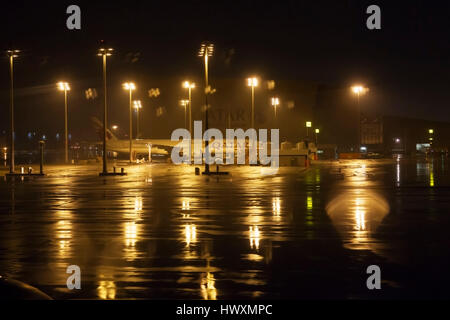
(336, 113)
(371, 131)
(391, 135)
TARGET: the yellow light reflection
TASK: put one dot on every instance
(256, 215)
(309, 203)
(131, 229)
(138, 205)
(190, 234)
(317, 176)
(186, 205)
(360, 215)
(254, 237)
(64, 237)
(106, 290)
(356, 214)
(309, 208)
(431, 170)
(208, 289)
(276, 207)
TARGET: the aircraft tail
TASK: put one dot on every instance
(99, 128)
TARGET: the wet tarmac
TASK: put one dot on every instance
(161, 232)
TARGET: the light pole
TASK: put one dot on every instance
(317, 131)
(11, 55)
(104, 53)
(206, 51)
(275, 104)
(129, 86)
(308, 125)
(64, 86)
(137, 106)
(253, 82)
(189, 85)
(185, 103)
(359, 90)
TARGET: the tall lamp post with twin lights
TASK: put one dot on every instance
(11, 55)
(206, 51)
(189, 85)
(252, 82)
(359, 90)
(275, 104)
(64, 86)
(317, 131)
(308, 125)
(137, 105)
(104, 53)
(185, 103)
(130, 87)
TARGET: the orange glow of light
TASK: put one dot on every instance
(252, 82)
(63, 86)
(359, 89)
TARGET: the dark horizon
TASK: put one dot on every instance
(321, 43)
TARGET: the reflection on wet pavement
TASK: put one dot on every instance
(356, 214)
(162, 232)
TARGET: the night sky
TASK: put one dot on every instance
(406, 64)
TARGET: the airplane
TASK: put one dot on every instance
(140, 146)
(163, 147)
